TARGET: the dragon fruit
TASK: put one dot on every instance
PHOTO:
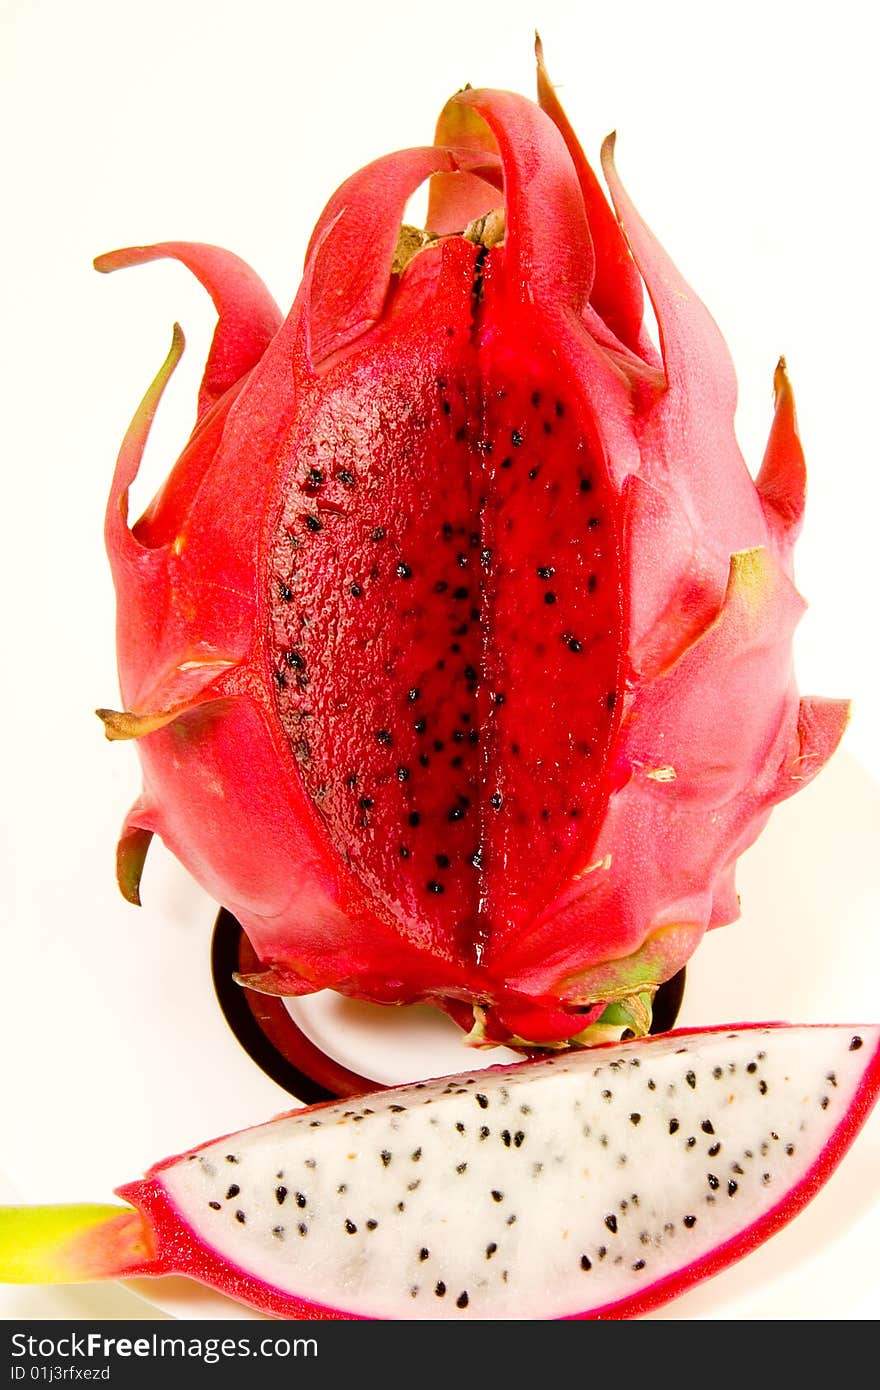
(591, 1184)
(458, 642)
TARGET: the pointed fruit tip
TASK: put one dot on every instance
(609, 145)
(131, 855)
(781, 381)
(70, 1244)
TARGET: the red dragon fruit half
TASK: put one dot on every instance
(458, 642)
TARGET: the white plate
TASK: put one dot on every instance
(124, 1056)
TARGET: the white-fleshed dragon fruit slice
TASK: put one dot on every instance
(595, 1184)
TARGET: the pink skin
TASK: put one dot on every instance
(704, 731)
(174, 1252)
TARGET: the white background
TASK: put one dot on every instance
(747, 136)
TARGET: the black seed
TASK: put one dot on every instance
(233, 1191)
(546, 571)
(506, 1138)
(586, 1262)
(377, 533)
(752, 1067)
(712, 1181)
(593, 523)
(424, 759)
(416, 1155)
(403, 852)
(215, 1206)
(366, 803)
(372, 1224)
(573, 644)
(591, 584)
(516, 438)
(484, 1129)
(490, 1249)
(441, 586)
(606, 1095)
(356, 591)
(313, 523)
(433, 886)
(300, 1199)
(496, 801)
(732, 1187)
(855, 1043)
(691, 1080)
(611, 1223)
(413, 693)
(460, 593)
(403, 570)
(455, 814)
(240, 1217)
(536, 398)
(611, 700)
(499, 697)
(690, 1222)
(714, 1149)
(789, 1149)
(691, 1142)
(549, 597)
(461, 1168)
(482, 1102)
(673, 1126)
(316, 477)
(507, 462)
(280, 1194)
(284, 593)
(707, 1127)
(586, 485)
(462, 1300)
(639, 1264)
(762, 1086)
(420, 726)
(442, 861)
(403, 774)
(533, 473)
(440, 1288)
(345, 477)
(384, 736)
(414, 818)
(496, 1195)
(635, 1118)
(446, 407)
(350, 1227)
(385, 1157)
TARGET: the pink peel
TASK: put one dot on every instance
(464, 473)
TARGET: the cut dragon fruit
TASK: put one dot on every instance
(593, 1184)
(457, 644)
